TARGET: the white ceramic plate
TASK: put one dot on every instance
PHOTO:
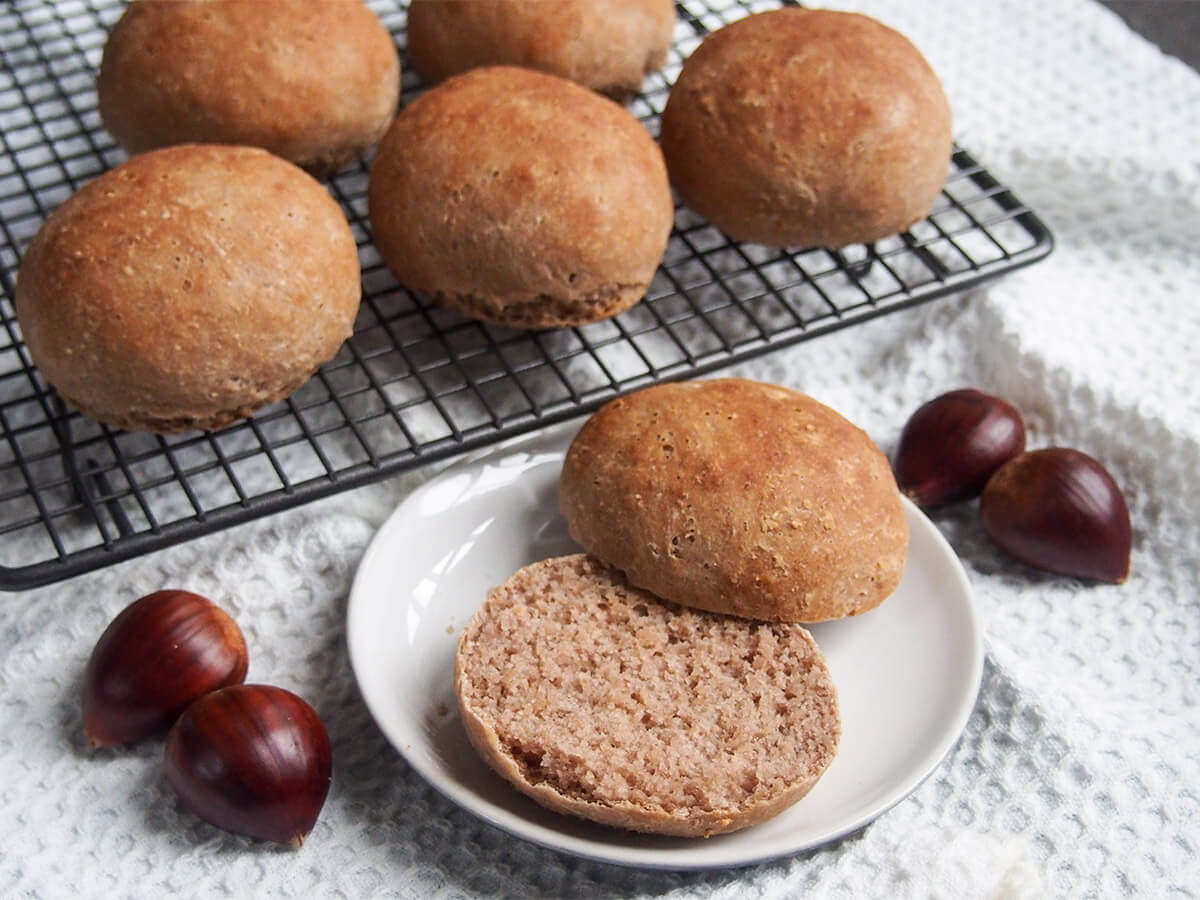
(907, 672)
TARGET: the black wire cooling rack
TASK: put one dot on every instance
(415, 383)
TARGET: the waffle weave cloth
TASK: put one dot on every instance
(1078, 773)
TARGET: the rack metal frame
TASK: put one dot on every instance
(415, 383)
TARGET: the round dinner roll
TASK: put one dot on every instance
(188, 287)
(601, 701)
(522, 199)
(738, 497)
(606, 45)
(803, 127)
(314, 81)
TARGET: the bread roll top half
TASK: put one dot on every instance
(739, 497)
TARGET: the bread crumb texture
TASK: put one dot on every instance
(601, 700)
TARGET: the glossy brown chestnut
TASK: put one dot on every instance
(252, 759)
(1059, 510)
(157, 656)
(951, 445)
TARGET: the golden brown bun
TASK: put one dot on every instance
(801, 127)
(188, 287)
(314, 81)
(737, 497)
(521, 198)
(601, 701)
(606, 45)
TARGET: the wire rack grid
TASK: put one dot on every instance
(415, 383)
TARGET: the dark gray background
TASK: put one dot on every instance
(1172, 24)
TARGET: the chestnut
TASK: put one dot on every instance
(158, 655)
(951, 445)
(1059, 510)
(252, 759)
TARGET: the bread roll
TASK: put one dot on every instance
(188, 287)
(314, 81)
(606, 45)
(521, 198)
(738, 497)
(800, 127)
(601, 701)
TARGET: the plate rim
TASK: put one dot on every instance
(548, 440)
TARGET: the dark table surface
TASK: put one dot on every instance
(1172, 24)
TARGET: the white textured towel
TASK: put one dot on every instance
(1078, 774)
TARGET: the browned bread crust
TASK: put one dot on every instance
(800, 127)
(314, 81)
(738, 497)
(521, 198)
(188, 287)
(601, 701)
(606, 45)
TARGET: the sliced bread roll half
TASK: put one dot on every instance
(602, 701)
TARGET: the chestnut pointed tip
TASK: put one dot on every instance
(1120, 578)
(919, 498)
(1116, 574)
(297, 841)
(94, 737)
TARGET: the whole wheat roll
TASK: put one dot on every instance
(188, 287)
(606, 45)
(802, 127)
(522, 199)
(738, 497)
(314, 81)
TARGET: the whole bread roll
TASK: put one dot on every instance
(803, 127)
(601, 701)
(738, 497)
(521, 198)
(314, 81)
(188, 287)
(606, 45)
